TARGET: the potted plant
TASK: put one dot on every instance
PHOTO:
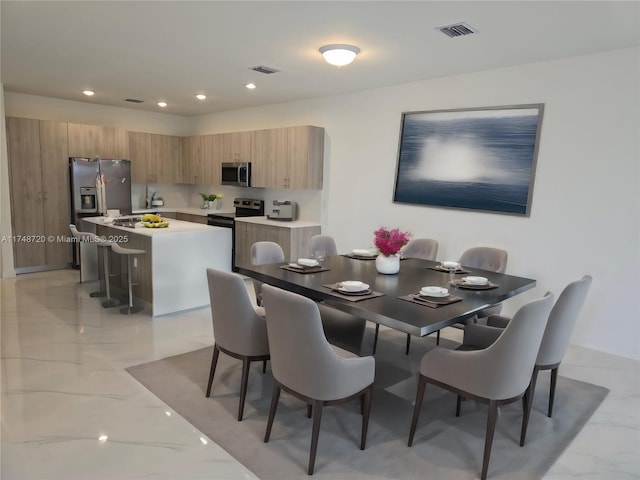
(209, 199)
(389, 242)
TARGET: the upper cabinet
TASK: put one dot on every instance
(95, 141)
(155, 158)
(198, 166)
(288, 158)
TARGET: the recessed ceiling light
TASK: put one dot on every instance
(201, 96)
(162, 104)
(250, 86)
(88, 93)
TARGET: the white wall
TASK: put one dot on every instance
(585, 212)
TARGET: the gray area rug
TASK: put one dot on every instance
(445, 447)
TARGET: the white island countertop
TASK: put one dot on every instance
(175, 226)
(278, 223)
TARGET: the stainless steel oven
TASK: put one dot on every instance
(245, 207)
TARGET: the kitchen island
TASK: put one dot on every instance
(171, 276)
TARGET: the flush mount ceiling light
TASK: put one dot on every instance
(162, 104)
(250, 86)
(339, 54)
(88, 93)
(201, 96)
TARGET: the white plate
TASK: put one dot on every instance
(353, 289)
(434, 292)
(362, 252)
(475, 280)
(308, 262)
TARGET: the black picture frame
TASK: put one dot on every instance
(476, 159)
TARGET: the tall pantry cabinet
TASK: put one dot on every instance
(39, 179)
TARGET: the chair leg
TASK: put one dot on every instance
(422, 384)
(315, 433)
(212, 371)
(366, 409)
(272, 411)
(438, 338)
(488, 442)
(264, 366)
(109, 302)
(552, 389)
(375, 338)
(406, 351)
(243, 386)
(458, 404)
(528, 402)
(309, 410)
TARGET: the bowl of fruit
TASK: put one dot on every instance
(151, 220)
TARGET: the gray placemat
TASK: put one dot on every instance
(433, 302)
(468, 286)
(352, 298)
(359, 257)
(439, 268)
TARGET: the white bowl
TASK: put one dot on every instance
(434, 292)
(450, 265)
(353, 286)
(307, 262)
(363, 252)
(476, 280)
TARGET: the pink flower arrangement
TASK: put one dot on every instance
(389, 242)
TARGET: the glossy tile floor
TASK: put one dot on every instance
(70, 411)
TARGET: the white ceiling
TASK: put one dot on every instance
(170, 50)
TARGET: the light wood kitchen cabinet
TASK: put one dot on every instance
(188, 217)
(236, 146)
(155, 158)
(39, 183)
(91, 141)
(200, 163)
(288, 158)
(293, 240)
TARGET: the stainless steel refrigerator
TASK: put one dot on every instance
(98, 185)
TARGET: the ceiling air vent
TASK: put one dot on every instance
(265, 70)
(133, 100)
(457, 30)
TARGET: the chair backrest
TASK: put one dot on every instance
(486, 258)
(510, 359)
(425, 248)
(266, 252)
(562, 320)
(236, 325)
(301, 356)
(322, 242)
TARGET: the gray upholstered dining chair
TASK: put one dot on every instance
(308, 367)
(496, 375)
(562, 320)
(261, 254)
(427, 249)
(325, 243)
(486, 258)
(239, 328)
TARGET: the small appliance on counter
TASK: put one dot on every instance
(282, 210)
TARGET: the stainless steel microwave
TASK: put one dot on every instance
(236, 174)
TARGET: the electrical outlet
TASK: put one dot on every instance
(135, 263)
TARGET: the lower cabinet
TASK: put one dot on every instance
(293, 239)
(188, 217)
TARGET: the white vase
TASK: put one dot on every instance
(388, 265)
(214, 204)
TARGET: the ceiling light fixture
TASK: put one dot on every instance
(162, 104)
(201, 96)
(250, 86)
(88, 93)
(339, 54)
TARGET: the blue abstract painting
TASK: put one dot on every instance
(480, 159)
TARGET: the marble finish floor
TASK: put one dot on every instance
(70, 411)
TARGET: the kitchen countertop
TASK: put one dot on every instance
(175, 227)
(278, 223)
(189, 210)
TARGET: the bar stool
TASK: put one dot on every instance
(129, 252)
(105, 245)
(86, 237)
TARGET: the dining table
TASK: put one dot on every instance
(393, 300)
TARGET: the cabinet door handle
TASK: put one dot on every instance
(45, 196)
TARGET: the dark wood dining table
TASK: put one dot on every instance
(389, 309)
